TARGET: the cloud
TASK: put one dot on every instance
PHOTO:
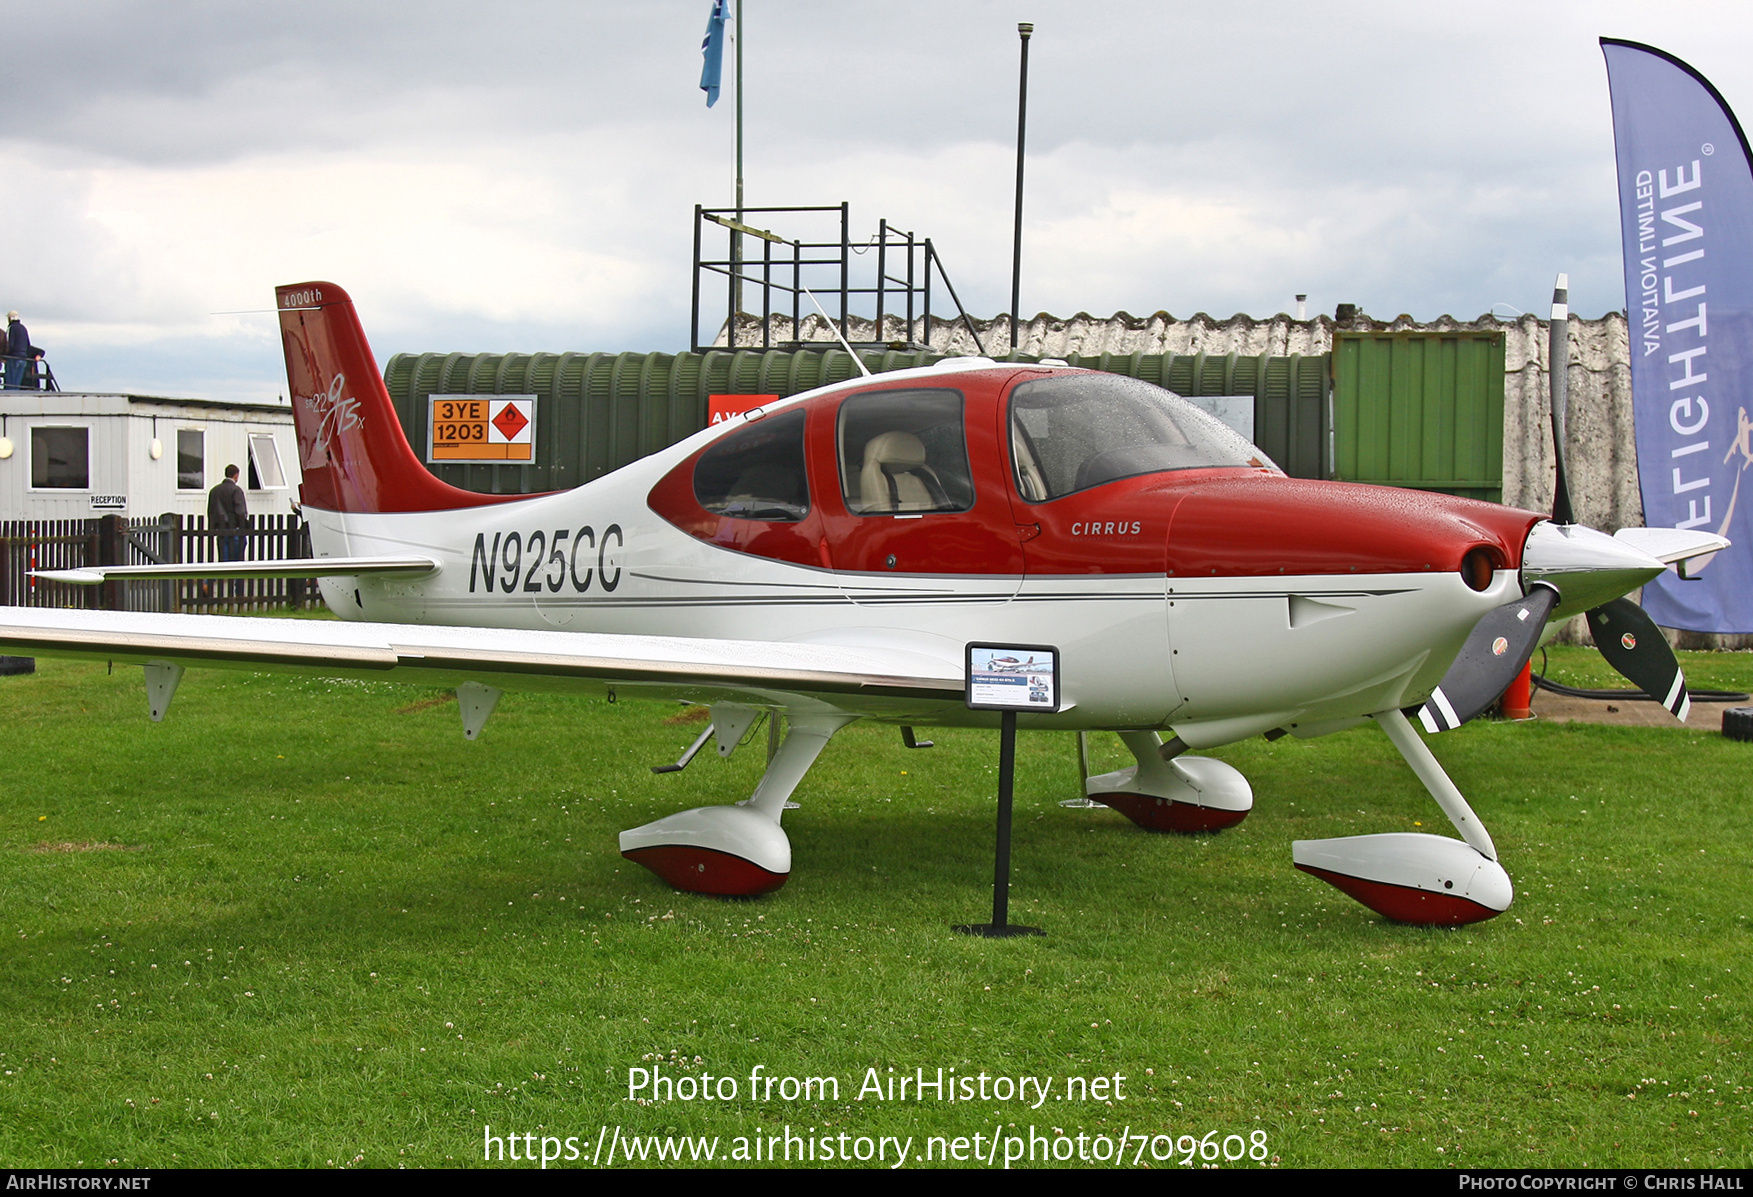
(524, 178)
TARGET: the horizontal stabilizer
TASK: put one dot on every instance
(300, 567)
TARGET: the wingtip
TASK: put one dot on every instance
(70, 577)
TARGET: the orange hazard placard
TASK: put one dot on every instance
(486, 428)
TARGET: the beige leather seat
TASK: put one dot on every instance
(896, 478)
(1030, 481)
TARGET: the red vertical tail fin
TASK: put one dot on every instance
(351, 447)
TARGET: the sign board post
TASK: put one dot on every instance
(1008, 678)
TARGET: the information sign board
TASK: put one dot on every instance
(1013, 677)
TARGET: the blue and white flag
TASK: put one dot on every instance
(712, 50)
(1686, 211)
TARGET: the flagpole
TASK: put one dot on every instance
(736, 239)
(1023, 29)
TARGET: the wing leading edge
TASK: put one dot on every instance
(751, 670)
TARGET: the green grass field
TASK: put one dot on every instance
(304, 923)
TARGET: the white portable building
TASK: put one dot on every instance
(69, 455)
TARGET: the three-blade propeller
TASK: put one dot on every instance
(1502, 643)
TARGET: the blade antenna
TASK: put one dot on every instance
(1558, 382)
(838, 335)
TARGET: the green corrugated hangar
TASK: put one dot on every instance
(1414, 409)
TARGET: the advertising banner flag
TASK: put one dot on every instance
(1686, 215)
(712, 51)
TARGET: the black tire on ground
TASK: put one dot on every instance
(1738, 723)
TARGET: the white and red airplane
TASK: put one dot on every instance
(829, 557)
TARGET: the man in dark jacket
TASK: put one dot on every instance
(20, 353)
(228, 512)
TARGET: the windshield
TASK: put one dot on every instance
(1070, 432)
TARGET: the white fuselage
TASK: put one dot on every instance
(1215, 660)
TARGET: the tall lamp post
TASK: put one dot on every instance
(1024, 29)
(736, 238)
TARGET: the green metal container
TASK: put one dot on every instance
(596, 412)
(1421, 410)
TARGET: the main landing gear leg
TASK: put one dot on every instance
(1410, 877)
(1165, 791)
(740, 850)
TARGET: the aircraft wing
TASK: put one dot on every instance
(294, 567)
(762, 672)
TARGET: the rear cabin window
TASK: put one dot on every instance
(757, 472)
(1074, 431)
(904, 452)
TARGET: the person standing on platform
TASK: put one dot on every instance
(20, 353)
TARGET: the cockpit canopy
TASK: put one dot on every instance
(1069, 432)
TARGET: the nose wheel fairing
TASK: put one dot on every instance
(1429, 880)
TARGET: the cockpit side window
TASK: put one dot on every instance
(1073, 431)
(904, 452)
(757, 472)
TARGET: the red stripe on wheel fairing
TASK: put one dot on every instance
(1404, 904)
(1165, 814)
(707, 870)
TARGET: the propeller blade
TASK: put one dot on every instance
(1497, 648)
(1633, 645)
(1558, 384)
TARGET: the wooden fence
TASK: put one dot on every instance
(27, 545)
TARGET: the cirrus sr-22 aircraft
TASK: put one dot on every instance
(829, 558)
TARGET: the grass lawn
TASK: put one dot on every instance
(304, 923)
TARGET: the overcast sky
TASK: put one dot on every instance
(522, 176)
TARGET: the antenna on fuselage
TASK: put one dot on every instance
(838, 335)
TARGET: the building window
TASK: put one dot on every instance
(191, 459)
(60, 458)
(265, 471)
